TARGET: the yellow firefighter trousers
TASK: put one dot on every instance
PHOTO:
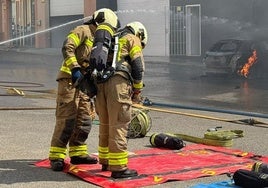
(113, 106)
(74, 115)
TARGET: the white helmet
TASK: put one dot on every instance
(106, 15)
(140, 31)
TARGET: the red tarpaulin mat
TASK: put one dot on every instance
(156, 166)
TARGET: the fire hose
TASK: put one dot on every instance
(147, 102)
(222, 138)
(15, 89)
(140, 123)
(147, 105)
(215, 138)
(12, 91)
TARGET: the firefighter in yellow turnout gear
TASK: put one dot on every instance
(74, 111)
(115, 96)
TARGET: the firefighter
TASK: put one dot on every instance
(74, 111)
(119, 84)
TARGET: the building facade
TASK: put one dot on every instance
(21, 18)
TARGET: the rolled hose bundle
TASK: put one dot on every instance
(140, 124)
(214, 138)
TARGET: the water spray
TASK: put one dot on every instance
(46, 30)
(71, 22)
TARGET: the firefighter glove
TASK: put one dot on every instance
(136, 96)
(76, 76)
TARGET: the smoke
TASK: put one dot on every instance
(240, 19)
(226, 28)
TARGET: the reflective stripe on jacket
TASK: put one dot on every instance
(76, 49)
(130, 45)
(106, 27)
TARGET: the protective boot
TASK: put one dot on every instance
(84, 160)
(124, 174)
(104, 167)
(57, 164)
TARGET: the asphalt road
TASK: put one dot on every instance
(25, 134)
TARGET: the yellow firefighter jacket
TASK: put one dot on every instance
(130, 46)
(76, 49)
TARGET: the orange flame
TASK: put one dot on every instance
(251, 60)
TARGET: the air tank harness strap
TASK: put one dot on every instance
(109, 72)
(104, 75)
(123, 68)
(222, 138)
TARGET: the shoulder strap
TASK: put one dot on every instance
(116, 38)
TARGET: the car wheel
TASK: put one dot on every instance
(234, 65)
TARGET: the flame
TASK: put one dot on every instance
(251, 60)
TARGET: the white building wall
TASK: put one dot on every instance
(154, 15)
(66, 7)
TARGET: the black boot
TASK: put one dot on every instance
(124, 174)
(104, 167)
(57, 164)
(84, 160)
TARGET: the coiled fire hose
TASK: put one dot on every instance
(249, 121)
(222, 138)
(140, 124)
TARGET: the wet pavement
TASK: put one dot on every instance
(167, 80)
(181, 82)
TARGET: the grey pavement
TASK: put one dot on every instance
(25, 138)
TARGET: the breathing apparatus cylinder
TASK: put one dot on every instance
(166, 140)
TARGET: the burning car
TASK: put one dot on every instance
(231, 56)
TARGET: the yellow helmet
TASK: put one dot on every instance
(140, 31)
(105, 15)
